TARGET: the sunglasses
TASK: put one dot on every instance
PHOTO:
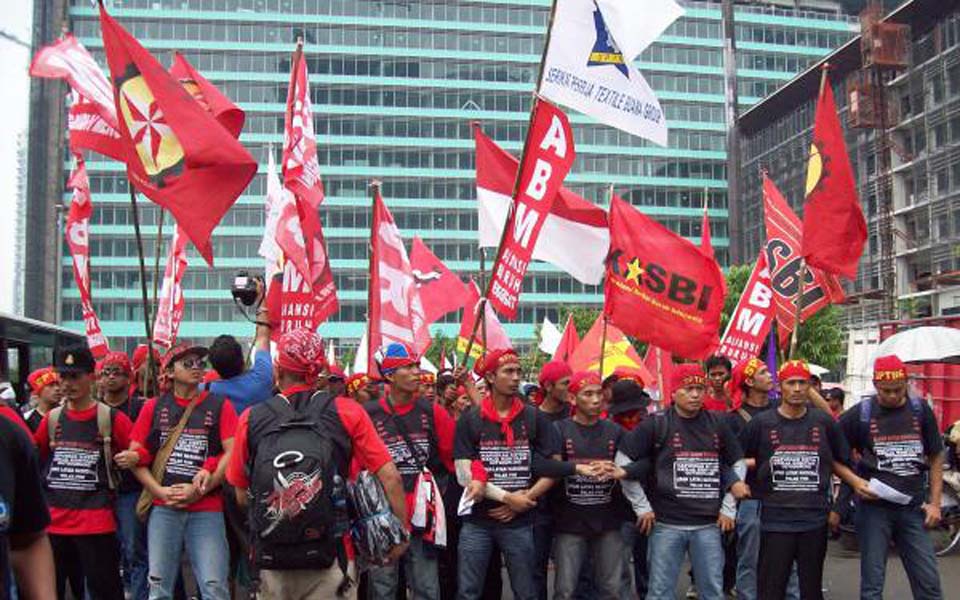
(113, 372)
(193, 363)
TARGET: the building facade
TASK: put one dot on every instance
(395, 86)
(919, 165)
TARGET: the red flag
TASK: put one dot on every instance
(170, 304)
(210, 98)
(617, 352)
(752, 318)
(78, 240)
(396, 313)
(834, 229)
(294, 304)
(548, 158)
(176, 153)
(497, 338)
(660, 364)
(568, 341)
(783, 260)
(301, 171)
(661, 288)
(441, 290)
(92, 119)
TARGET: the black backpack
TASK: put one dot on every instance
(294, 474)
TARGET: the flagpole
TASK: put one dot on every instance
(603, 345)
(374, 188)
(148, 379)
(156, 257)
(481, 309)
(659, 356)
(526, 143)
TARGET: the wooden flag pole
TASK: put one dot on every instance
(603, 345)
(660, 389)
(151, 367)
(156, 258)
(374, 189)
(481, 310)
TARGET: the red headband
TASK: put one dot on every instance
(427, 378)
(741, 373)
(553, 372)
(300, 351)
(357, 381)
(629, 374)
(889, 368)
(494, 360)
(582, 379)
(41, 378)
(118, 359)
(688, 374)
(794, 369)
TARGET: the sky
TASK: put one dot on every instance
(15, 19)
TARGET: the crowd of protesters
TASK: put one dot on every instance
(111, 483)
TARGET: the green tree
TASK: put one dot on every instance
(440, 344)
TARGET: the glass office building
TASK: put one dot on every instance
(395, 86)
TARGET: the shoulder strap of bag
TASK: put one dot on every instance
(53, 423)
(105, 430)
(747, 417)
(160, 459)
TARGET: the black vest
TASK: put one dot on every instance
(419, 429)
(75, 474)
(199, 441)
(585, 505)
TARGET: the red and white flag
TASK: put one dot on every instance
(548, 159)
(752, 318)
(171, 302)
(92, 118)
(441, 290)
(269, 248)
(659, 363)
(396, 313)
(496, 336)
(574, 237)
(301, 171)
(78, 240)
(784, 259)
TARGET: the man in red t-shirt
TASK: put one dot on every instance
(717, 397)
(296, 541)
(79, 480)
(187, 508)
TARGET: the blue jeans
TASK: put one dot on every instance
(419, 565)
(748, 553)
(667, 547)
(204, 536)
(877, 524)
(133, 545)
(479, 541)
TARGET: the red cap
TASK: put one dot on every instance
(115, 359)
(492, 361)
(741, 373)
(428, 378)
(140, 356)
(41, 378)
(300, 351)
(553, 372)
(793, 369)
(582, 379)
(356, 382)
(336, 370)
(889, 368)
(687, 374)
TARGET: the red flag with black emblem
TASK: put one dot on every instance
(177, 154)
(834, 229)
(660, 288)
(208, 96)
(441, 290)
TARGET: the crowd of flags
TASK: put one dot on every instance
(178, 137)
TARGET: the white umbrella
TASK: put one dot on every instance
(923, 344)
(817, 369)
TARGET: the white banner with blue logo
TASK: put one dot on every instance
(585, 70)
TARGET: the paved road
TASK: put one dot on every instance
(842, 577)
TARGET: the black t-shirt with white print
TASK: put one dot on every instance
(687, 485)
(794, 467)
(509, 467)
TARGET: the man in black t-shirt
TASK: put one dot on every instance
(501, 443)
(24, 548)
(897, 437)
(691, 452)
(795, 449)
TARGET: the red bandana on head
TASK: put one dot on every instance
(741, 373)
(494, 360)
(357, 381)
(553, 372)
(582, 379)
(685, 375)
(300, 351)
(794, 369)
(889, 368)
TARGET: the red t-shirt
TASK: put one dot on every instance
(368, 450)
(213, 500)
(75, 521)
(711, 402)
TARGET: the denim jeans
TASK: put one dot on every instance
(667, 547)
(748, 553)
(478, 541)
(542, 547)
(877, 524)
(205, 539)
(636, 544)
(419, 565)
(133, 545)
(606, 551)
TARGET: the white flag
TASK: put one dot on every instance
(549, 337)
(269, 249)
(586, 71)
(360, 360)
(426, 365)
(636, 24)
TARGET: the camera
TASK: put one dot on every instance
(246, 289)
